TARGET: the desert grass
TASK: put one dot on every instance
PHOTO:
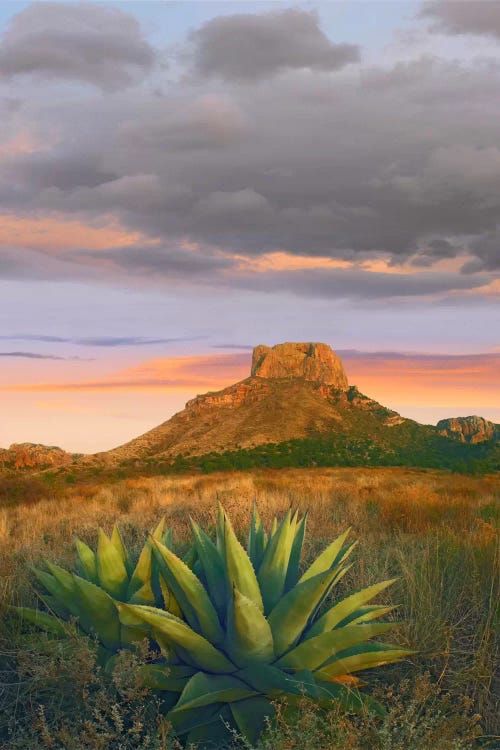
(436, 532)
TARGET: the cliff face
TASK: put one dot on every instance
(33, 456)
(471, 429)
(313, 362)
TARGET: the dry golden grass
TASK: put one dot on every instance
(375, 502)
(436, 531)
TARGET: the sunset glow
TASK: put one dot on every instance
(168, 201)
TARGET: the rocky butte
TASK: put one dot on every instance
(471, 429)
(33, 456)
(294, 390)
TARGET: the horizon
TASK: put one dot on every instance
(169, 198)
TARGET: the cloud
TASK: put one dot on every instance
(408, 381)
(465, 17)
(30, 355)
(486, 249)
(99, 341)
(210, 371)
(85, 42)
(205, 181)
(255, 46)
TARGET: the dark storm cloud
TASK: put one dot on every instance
(256, 46)
(397, 162)
(487, 251)
(356, 283)
(162, 262)
(465, 17)
(92, 43)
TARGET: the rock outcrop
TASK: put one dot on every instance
(315, 362)
(33, 456)
(294, 390)
(471, 429)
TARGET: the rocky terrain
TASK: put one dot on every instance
(469, 429)
(29, 456)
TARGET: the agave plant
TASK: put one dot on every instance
(104, 578)
(253, 628)
(236, 628)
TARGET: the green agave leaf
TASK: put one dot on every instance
(273, 529)
(256, 539)
(290, 616)
(251, 716)
(87, 561)
(274, 567)
(188, 721)
(220, 526)
(366, 614)
(159, 531)
(293, 573)
(168, 538)
(214, 734)
(59, 592)
(240, 572)
(63, 578)
(314, 652)
(54, 606)
(43, 621)
(170, 603)
(249, 638)
(350, 700)
(365, 656)
(205, 689)
(345, 607)
(188, 588)
(327, 558)
(144, 595)
(340, 572)
(169, 589)
(111, 570)
(98, 612)
(117, 541)
(190, 557)
(161, 677)
(141, 574)
(130, 637)
(269, 680)
(180, 634)
(213, 567)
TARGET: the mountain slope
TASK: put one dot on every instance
(296, 397)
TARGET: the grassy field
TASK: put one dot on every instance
(435, 531)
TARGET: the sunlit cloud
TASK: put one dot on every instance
(58, 235)
(389, 377)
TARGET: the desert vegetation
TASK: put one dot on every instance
(435, 532)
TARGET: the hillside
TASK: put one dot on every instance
(296, 408)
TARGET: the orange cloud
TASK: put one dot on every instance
(427, 380)
(419, 379)
(55, 234)
(21, 143)
(202, 372)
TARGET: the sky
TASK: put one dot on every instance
(182, 181)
